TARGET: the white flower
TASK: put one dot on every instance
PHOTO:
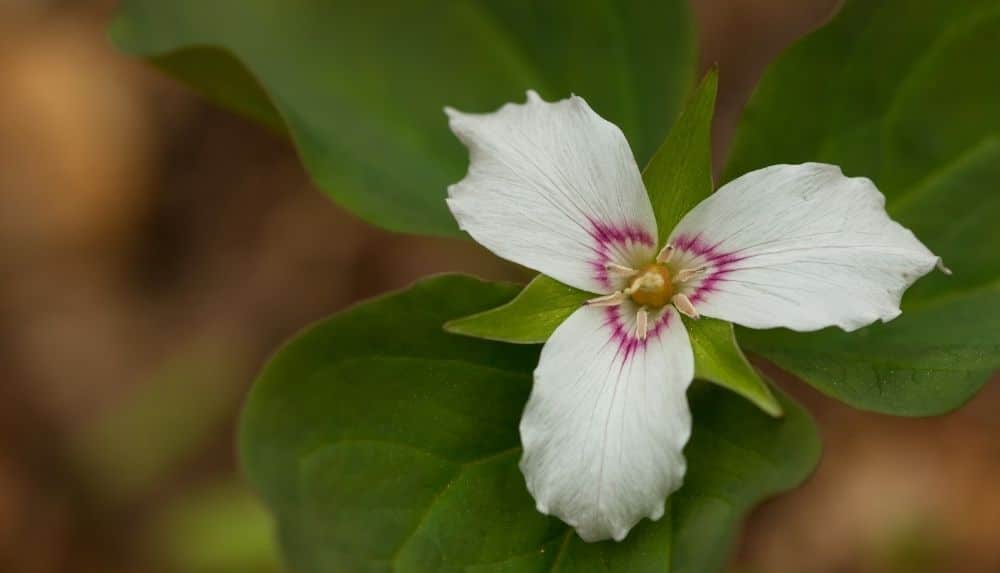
(554, 187)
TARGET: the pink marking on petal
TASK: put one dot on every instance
(720, 263)
(608, 237)
(625, 338)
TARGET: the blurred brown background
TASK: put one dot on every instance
(155, 249)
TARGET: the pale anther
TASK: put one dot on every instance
(613, 299)
(641, 323)
(688, 274)
(665, 253)
(620, 269)
(942, 268)
(683, 304)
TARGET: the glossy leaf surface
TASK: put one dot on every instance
(904, 93)
(360, 86)
(385, 448)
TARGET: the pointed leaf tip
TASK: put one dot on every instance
(719, 359)
(680, 174)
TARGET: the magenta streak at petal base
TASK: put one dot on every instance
(720, 263)
(628, 343)
(608, 236)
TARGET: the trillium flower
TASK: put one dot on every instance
(554, 187)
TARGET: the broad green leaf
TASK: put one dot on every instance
(530, 318)
(383, 443)
(904, 93)
(360, 86)
(680, 174)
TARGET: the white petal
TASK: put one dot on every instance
(799, 246)
(553, 187)
(604, 429)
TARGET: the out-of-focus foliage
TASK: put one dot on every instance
(152, 432)
(378, 446)
(906, 94)
(221, 528)
(360, 86)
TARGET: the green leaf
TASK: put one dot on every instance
(718, 359)
(360, 86)
(530, 318)
(680, 174)
(903, 93)
(383, 443)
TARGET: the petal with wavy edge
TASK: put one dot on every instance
(801, 247)
(607, 420)
(553, 187)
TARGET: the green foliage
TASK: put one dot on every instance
(530, 318)
(382, 442)
(904, 93)
(680, 174)
(718, 359)
(220, 78)
(389, 448)
(360, 85)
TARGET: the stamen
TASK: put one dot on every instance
(942, 268)
(613, 299)
(641, 323)
(683, 304)
(620, 269)
(665, 253)
(688, 274)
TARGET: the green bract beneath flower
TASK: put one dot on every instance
(554, 187)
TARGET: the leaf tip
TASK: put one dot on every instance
(709, 83)
(457, 326)
(771, 406)
(765, 399)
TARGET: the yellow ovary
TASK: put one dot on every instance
(652, 286)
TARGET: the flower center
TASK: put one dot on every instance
(652, 286)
